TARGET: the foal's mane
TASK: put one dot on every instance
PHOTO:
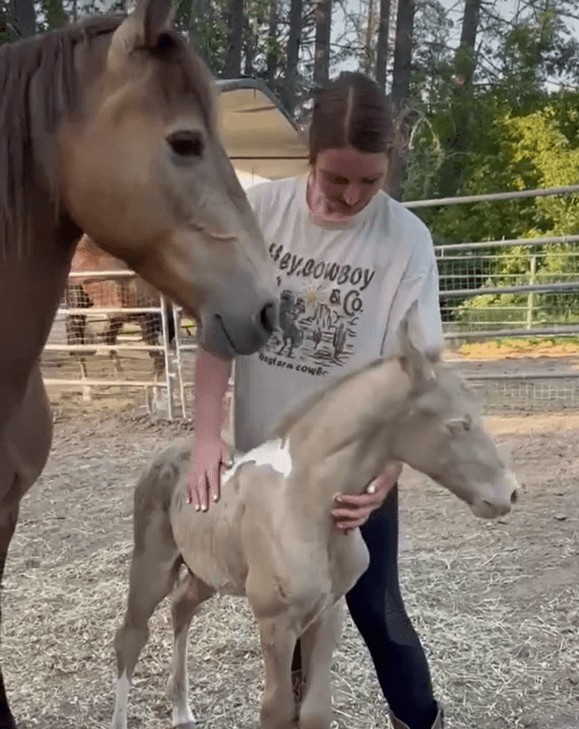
(282, 429)
(40, 86)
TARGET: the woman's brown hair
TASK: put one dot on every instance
(351, 111)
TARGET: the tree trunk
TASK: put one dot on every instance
(289, 89)
(401, 93)
(368, 61)
(458, 144)
(232, 66)
(382, 44)
(195, 11)
(272, 56)
(322, 42)
(466, 52)
(403, 51)
(25, 17)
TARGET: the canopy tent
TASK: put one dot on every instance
(259, 136)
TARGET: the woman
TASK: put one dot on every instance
(350, 261)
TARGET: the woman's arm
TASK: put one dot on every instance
(210, 453)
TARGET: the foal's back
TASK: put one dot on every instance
(215, 544)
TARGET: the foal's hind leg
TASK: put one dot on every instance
(186, 600)
(154, 570)
(8, 519)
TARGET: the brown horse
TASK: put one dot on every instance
(109, 127)
(135, 292)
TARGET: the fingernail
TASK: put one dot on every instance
(204, 508)
(214, 497)
(196, 507)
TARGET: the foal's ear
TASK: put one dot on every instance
(417, 364)
(143, 28)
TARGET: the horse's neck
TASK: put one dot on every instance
(31, 288)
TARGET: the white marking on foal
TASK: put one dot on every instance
(121, 702)
(182, 714)
(272, 453)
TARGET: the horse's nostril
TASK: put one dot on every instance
(514, 497)
(268, 317)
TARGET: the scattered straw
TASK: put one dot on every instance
(496, 605)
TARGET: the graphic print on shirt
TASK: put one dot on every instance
(320, 306)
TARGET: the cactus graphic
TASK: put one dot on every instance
(339, 340)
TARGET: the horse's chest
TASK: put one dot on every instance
(348, 560)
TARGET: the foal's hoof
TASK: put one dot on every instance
(187, 725)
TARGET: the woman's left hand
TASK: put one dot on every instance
(355, 509)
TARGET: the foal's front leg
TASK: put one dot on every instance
(318, 644)
(278, 640)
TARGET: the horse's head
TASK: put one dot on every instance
(144, 173)
(441, 434)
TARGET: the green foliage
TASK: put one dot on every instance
(54, 14)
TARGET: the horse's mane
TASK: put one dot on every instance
(283, 427)
(39, 86)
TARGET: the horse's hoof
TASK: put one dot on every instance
(8, 722)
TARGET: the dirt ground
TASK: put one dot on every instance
(496, 604)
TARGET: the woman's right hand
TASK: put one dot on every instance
(211, 457)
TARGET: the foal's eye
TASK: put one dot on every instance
(459, 425)
(186, 144)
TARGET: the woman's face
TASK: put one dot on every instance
(347, 179)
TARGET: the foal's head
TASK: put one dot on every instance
(439, 432)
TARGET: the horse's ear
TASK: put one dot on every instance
(417, 363)
(144, 27)
(154, 18)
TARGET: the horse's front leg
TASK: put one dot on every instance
(318, 644)
(278, 640)
(8, 519)
(110, 336)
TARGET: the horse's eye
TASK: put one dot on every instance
(186, 143)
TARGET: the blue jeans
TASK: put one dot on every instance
(377, 609)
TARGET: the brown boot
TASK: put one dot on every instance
(438, 722)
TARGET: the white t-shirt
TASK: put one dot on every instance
(345, 289)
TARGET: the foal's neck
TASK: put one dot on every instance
(345, 441)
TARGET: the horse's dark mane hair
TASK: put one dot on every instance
(282, 429)
(39, 86)
(48, 62)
